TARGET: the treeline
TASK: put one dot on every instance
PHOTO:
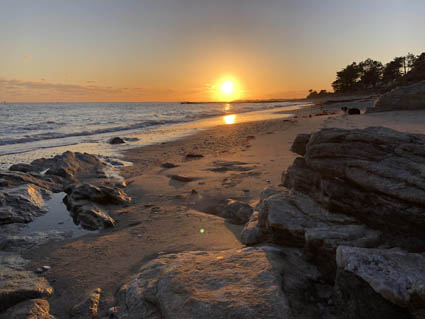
(373, 76)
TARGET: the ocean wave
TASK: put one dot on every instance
(56, 135)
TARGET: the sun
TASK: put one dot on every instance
(227, 87)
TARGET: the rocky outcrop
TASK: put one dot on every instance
(87, 202)
(65, 168)
(376, 175)
(18, 284)
(386, 282)
(249, 283)
(116, 140)
(22, 203)
(251, 233)
(410, 97)
(300, 143)
(89, 307)
(236, 212)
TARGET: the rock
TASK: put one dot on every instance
(22, 203)
(17, 284)
(375, 174)
(116, 140)
(181, 178)
(194, 155)
(21, 167)
(98, 194)
(410, 97)
(232, 283)
(69, 167)
(168, 165)
(386, 282)
(353, 111)
(91, 217)
(300, 143)
(14, 243)
(288, 215)
(236, 212)
(321, 243)
(10, 179)
(252, 234)
(224, 166)
(89, 307)
(29, 309)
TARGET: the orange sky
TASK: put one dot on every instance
(104, 50)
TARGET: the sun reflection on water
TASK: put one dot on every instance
(229, 119)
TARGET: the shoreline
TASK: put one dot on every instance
(167, 216)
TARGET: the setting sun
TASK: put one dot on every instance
(227, 87)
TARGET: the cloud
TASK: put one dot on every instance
(27, 57)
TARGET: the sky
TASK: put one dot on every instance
(183, 50)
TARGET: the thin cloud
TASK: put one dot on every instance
(27, 57)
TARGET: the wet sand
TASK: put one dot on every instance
(167, 215)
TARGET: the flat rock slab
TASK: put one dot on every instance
(395, 275)
(288, 215)
(222, 284)
(17, 284)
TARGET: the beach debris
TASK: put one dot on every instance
(169, 165)
(194, 155)
(181, 178)
(116, 140)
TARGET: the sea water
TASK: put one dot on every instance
(33, 130)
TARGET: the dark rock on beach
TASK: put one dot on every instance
(89, 307)
(29, 309)
(236, 212)
(116, 140)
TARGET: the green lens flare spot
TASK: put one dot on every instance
(202, 230)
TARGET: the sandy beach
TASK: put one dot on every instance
(167, 215)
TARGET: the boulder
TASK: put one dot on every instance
(249, 283)
(236, 212)
(89, 307)
(22, 167)
(251, 233)
(68, 167)
(375, 174)
(18, 284)
(91, 217)
(116, 140)
(321, 243)
(29, 309)
(288, 215)
(410, 97)
(9, 179)
(386, 282)
(300, 143)
(98, 194)
(22, 203)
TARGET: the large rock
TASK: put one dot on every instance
(22, 203)
(300, 143)
(251, 233)
(18, 284)
(9, 179)
(68, 167)
(29, 309)
(86, 203)
(247, 283)
(410, 97)
(236, 212)
(288, 215)
(386, 283)
(375, 174)
(321, 243)
(98, 194)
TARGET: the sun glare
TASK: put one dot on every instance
(227, 87)
(229, 119)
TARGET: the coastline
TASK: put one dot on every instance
(167, 216)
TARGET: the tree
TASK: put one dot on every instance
(417, 72)
(370, 73)
(392, 71)
(347, 78)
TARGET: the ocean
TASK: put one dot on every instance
(33, 130)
